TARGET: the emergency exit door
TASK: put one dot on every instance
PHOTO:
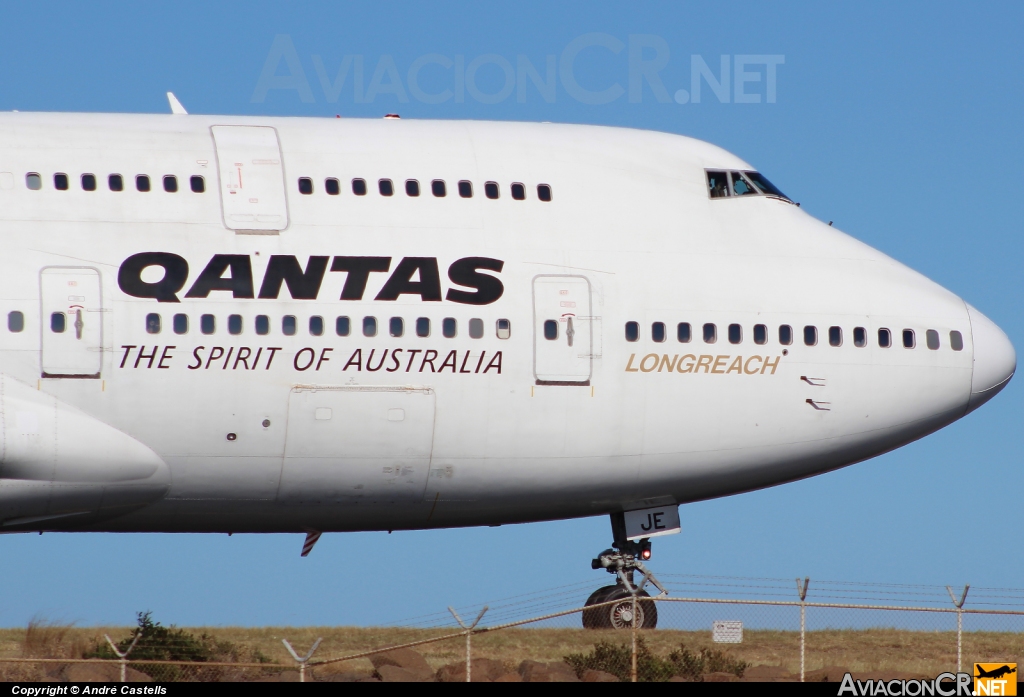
(72, 322)
(252, 188)
(562, 330)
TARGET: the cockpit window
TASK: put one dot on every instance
(725, 184)
(741, 187)
(718, 184)
(764, 185)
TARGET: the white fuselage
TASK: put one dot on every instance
(115, 423)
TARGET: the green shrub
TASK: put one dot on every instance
(159, 643)
(617, 660)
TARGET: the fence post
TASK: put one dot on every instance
(123, 656)
(469, 633)
(632, 671)
(801, 589)
(302, 661)
(959, 622)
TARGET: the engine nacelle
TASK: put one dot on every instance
(57, 462)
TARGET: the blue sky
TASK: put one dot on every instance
(897, 121)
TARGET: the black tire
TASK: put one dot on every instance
(619, 615)
(597, 618)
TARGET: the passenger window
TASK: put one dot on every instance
(683, 333)
(342, 326)
(632, 331)
(58, 322)
(810, 335)
(289, 325)
(438, 188)
(171, 184)
(449, 327)
(180, 323)
(465, 189)
(369, 326)
(207, 324)
(760, 334)
(884, 338)
(423, 326)
(909, 340)
(89, 182)
(718, 184)
(518, 192)
(835, 336)
(504, 329)
(785, 335)
(740, 186)
(234, 324)
(152, 323)
(396, 327)
(551, 329)
(658, 331)
(142, 183)
(931, 338)
(316, 325)
(332, 187)
(476, 328)
(710, 333)
(860, 337)
(735, 333)
(305, 186)
(956, 340)
(262, 325)
(15, 321)
(197, 183)
(412, 187)
(491, 190)
(385, 187)
(60, 182)
(33, 181)
(544, 192)
(115, 182)
(359, 187)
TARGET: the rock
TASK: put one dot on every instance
(535, 671)
(101, 672)
(767, 674)
(390, 673)
(561, 672)
(406, 659)
(599, 676)
(343, 677)
(680, 678)
(284, 676)
(720, 677)
(509, 677)
(482, 670)
(826, 674)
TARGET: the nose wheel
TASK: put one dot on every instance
(613, 607)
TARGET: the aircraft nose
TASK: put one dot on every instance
(994, 359)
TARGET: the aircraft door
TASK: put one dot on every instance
(357, 444)
(72, 322)
(252, 189)
(563, 325)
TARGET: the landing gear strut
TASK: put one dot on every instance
(625, 557)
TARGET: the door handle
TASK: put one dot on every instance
(79, 324)
(569, 331)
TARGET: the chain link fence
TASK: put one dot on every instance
(707, 629)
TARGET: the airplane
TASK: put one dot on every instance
(243, 324)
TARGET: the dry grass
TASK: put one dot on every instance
(869, 650)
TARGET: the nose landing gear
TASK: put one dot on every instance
(622, 560)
